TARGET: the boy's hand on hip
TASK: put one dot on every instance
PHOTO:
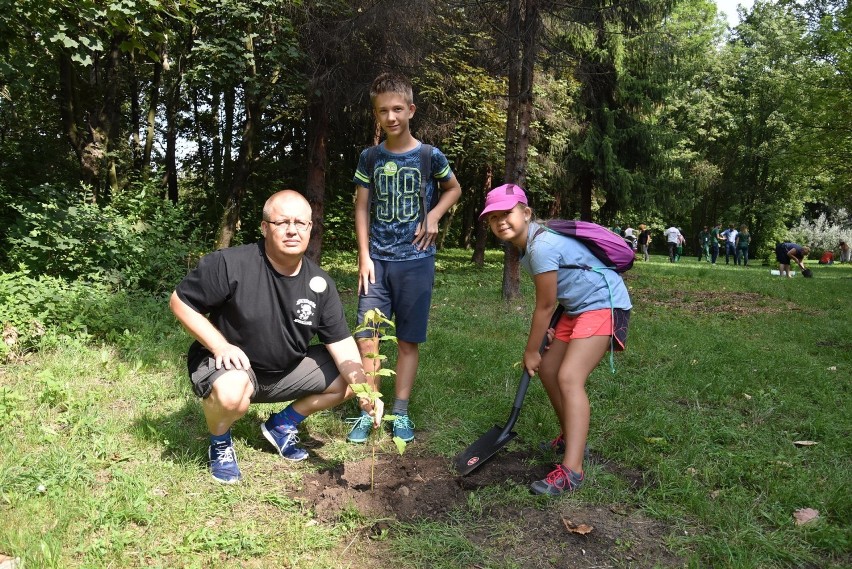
(424, 238)
(366, 275)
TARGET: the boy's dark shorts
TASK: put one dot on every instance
(314, 374)
(403, 291)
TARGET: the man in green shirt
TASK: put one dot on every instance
(715, 236)
(704, 244)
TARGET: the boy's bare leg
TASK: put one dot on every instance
(408, 358)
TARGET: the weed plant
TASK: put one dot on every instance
(102, 444)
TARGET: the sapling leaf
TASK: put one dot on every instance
(389, 418)
(385, 372)
(400, 444)
(387, 338)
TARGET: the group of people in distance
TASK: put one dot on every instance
(255, 309)
(736, 242)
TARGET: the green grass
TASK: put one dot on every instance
(102, 445)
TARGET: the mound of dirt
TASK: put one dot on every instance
(420, 486)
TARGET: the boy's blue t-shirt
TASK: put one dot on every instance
(395, 200)
(577, 290)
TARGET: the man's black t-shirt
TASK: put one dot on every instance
(271, 317)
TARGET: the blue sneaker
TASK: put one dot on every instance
(284, 440)
(222, 461)
(403, 428)
(559, 481)
(362, 426)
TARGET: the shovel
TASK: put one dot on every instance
(496, 438)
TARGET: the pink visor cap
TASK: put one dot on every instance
(503, 198)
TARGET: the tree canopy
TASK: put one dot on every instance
(614, 111)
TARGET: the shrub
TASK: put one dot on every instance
(823, 234)
(33, 309)
(138, 241)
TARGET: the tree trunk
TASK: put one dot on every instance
(519, 115)
(135, 120)
(88, 140)
(151, 119)
(317, 162)
(480, 231)
(245, 161)
(172, 104)
(227, 136)
(216, 143)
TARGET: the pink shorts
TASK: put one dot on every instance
(595, 323)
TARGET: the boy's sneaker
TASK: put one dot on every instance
(284, 439)
(222, 461)
(403, 428)
(362, 426)
(560, 480)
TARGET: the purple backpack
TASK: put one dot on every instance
(608, 247)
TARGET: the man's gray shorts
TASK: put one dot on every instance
(313, 375)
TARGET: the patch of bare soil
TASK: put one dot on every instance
(419, 486)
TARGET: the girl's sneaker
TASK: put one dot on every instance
(560, 480)
(557, 445)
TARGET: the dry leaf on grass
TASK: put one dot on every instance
(805, 515)
(581, 529)
(805, 443)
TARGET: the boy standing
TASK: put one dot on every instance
(396, 239)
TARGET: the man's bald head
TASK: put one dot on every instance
(286, 200)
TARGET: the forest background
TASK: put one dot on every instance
(135, 136)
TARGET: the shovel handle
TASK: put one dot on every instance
(525, 378)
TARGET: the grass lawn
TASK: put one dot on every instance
(729, 412)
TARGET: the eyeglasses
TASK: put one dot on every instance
(301, 226)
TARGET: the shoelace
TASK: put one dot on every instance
(225, 455)
(555, 443)
(290, 438)
(560, 478)
(403, 422)
(358, 422)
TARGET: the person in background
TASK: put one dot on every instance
(715, 239)
(681, 242)
(630, 237)
(845, 252)
(786, 252)
(644, 241)
(743, 240)
(827, 258)
(597, 313)
(673, 236)
(266, 302)
(704, 244)
(730, 235)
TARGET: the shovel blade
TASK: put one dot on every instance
(482, 449)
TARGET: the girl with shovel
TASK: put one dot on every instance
(597, 312)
